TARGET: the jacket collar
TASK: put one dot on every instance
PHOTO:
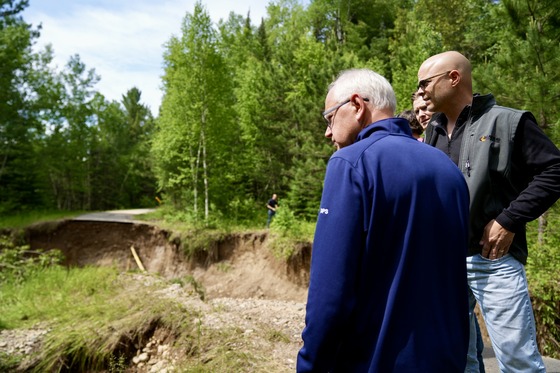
(479, 106)
(391, 125)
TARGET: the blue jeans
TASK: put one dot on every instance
(270, 216)
(474, 355)
(500, 288)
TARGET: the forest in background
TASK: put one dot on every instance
(240, 116)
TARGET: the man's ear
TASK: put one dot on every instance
(360, 106)
(455, 77)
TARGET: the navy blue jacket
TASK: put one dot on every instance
(388, 283)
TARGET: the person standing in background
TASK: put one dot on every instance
(271, 206)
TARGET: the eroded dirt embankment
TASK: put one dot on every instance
(238, 265)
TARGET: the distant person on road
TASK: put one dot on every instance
(387, 291)
(513, 172)
(271, 207)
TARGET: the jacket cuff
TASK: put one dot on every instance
(506, 221)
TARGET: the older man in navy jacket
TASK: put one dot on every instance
(388, 289)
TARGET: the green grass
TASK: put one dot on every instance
(91, 313)
(55, 293)
(96, 315)
(23, 219)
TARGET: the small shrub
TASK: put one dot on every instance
(117, 364)
(274, 335)
(198, 287)
(223, 267)
(198, 240)
(9, 363)
(287, 231)
(543, 273)
(18, 262)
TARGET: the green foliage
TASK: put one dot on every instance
(287, 231)
(201, 241)
(19, 166)
(9, 363)
(117, 364)
(121, 167)
(17, 263)
(543, 274)
(195, 133)
(51, 129)
(521, 70)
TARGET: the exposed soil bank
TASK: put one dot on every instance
(239, 265)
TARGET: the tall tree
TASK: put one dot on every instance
(413, 41)
(138, 184)
(195, 129)
(299, 71)
(67, 148)
(523, 71)
(18, 130)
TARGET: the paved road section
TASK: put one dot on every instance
(118, 216)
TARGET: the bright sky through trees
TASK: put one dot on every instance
(123, 40)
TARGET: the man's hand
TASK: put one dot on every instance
(496, 240)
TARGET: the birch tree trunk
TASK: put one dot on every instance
(204, 164)
(195, 178)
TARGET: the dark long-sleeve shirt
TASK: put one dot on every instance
(534, 157)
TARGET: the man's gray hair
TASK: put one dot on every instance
(366, 83)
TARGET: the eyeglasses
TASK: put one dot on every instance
(328, 118)
(424, 82)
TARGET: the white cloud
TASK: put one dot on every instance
(123, 41)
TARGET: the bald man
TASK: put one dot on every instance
(512, 170)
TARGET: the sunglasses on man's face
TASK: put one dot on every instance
(425, 82)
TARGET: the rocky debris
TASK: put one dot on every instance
(251, 316)
(285, 318)
(22, 341)
(155, 357)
